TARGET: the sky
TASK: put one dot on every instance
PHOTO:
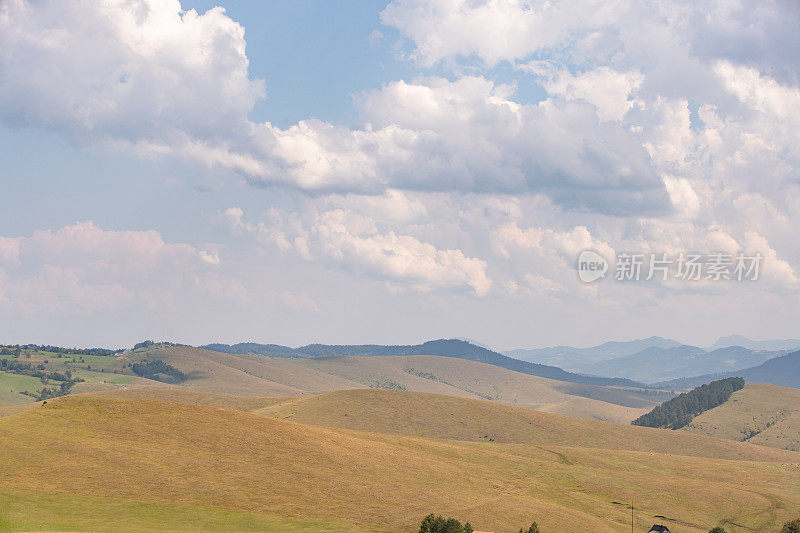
(393, 172)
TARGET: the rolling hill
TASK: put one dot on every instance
(251, 375)
(417, 414)
(208, 371)
(454, 348)
(762, 414)
(201, 466)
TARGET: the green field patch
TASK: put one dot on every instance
(18, 382)
(95, 361)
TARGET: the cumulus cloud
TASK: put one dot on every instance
(608, 90)
(348, 240)
(160, 81)
(655, 127)
(82, 268)
(564, 244)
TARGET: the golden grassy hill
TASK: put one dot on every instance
(245, 375)
(418, 414)
(254, 375)
(104, 463)
(471, 379)
(768, 415)
(212, 372)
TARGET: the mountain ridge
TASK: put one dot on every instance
(442, 347)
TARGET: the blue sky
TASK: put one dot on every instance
(392, 171)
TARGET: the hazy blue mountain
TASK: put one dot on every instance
(581, 359)
(783, 370)
(658, 364)
(445, 347)
(473, 341)
(768, 345)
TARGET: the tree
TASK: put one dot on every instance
(718, 530)
(791, 527)
(438, 524)
(533, 529)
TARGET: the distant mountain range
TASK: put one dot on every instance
(658, 359)
(445, 347)
(783, 370)
(744, 342)
(580, 359)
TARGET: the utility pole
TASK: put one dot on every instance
(627, 506)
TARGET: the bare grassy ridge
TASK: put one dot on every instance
(430, 415)
(470, 379)
(253, 375)
(768, 415)
(207, 461)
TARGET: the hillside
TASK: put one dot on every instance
(249, 375)
(207, 371)
(429, 415)
(762, 414)
(454, 348)
(458, 377)
(195, 465)
(679, 411)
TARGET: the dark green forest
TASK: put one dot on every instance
(679, 411)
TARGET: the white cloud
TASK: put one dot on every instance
(564, 244)
(158, 81)
(138, 72)
(353, 242)
(773, 268)
(83, 269)
(9, 250)
(608, 90)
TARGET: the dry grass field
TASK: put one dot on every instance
(768, 415)
(470, 379)
(108, 463)
(212, 372)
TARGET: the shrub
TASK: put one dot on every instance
(791, 527)
(718, 530)
(533, 529)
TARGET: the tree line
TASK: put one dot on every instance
(679, 411)
(158, 370)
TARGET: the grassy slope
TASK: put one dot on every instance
(760, 414)
(12, 384)
(430, 415)
(246, 375)
(34, 510)
(469, 379)
(252, 375)
(143, 454)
